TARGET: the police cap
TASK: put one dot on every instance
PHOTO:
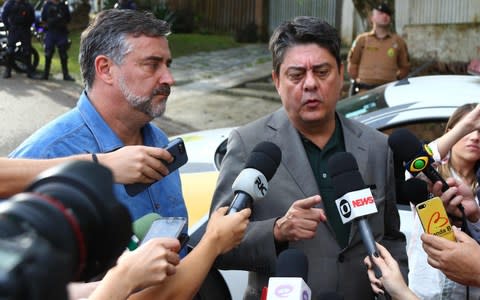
(383, 7)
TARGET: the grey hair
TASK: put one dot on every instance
(107, 35)
(303, 30)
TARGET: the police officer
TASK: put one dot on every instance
(378, 56)
(125, 4)
(18, 16)
(56, 16)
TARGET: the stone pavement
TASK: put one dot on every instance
(196, 102)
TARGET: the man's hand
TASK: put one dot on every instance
(137, 164)
(458, 193)
(459, 261)
(301, 220)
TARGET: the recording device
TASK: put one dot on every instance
(177, 149)
(153, 225)
(172, 227)
(418, 158)
(290, 277)
(67, 226)
(416, 155)
(431, 212)
(252, 182)
(415, 190)
(354, 198)
(434, 218)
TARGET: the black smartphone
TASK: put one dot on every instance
(173, 227)
(177, 149)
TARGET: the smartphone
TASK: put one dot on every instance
(177, 149)
(173, 227)
(434, 218)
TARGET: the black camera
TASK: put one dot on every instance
(67, 226)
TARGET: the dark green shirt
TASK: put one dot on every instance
(318, 161)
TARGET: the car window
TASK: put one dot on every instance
(363, 103)
(425, 131)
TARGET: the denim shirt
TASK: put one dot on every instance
(83, 130)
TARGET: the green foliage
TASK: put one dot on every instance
(185, 44)
(180, 45)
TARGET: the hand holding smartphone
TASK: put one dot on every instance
(173, 227)
(434, 218)
(177, 149)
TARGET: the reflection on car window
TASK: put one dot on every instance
(425, 131)
(362, 103)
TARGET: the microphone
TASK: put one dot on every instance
(290, 277)
(252, 182)
(354, 199)
(415, 190)
(416, 155)
(140, 228)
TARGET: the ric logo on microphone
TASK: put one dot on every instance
(356, 204)
(261, 186)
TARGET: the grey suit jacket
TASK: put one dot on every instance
(331, 269)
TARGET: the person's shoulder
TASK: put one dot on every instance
(366, 131)
(363, 35)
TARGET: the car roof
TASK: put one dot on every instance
(434, 89)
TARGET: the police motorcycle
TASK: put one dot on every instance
(19, 63)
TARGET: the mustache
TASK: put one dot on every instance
(163, 90)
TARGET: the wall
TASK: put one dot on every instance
(447, 42)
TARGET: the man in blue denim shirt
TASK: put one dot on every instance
(125, 59)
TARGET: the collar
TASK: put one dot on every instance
(107, 140)
(372, 33)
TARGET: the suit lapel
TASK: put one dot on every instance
(294, 158)
(354, 143)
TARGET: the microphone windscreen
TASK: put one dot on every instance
(265, 157)
(292, 263)
(142, 225)
(415, 190)
(343, 170)
(404, 144)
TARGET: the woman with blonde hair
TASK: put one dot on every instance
(457, 154)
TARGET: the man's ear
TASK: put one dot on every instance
(276, 79)
(103, 69)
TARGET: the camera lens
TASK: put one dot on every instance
(73, 207)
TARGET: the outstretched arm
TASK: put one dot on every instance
(391, 280)
(467, 124)
(222, 234)
(130, 164)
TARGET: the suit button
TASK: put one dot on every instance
(341, 258)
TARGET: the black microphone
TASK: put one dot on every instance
(416, 155)
(290, 277)
(415, 190)
(252, 182)
(292, 262)
(354, 198)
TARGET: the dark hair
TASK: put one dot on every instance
(107, 35)
(303, 30)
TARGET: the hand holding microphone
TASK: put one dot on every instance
(226, 231)
(252, 182)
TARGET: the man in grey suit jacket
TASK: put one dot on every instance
(299, 210)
